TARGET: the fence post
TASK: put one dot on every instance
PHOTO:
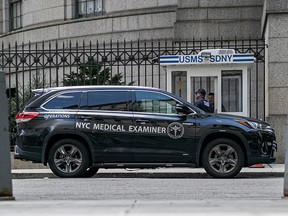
(5, 161)
(286, 160)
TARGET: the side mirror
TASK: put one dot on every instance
(181, 108)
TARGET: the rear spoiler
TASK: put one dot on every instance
(42, 91)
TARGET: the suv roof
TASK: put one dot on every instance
(42, 94)
(45, 90)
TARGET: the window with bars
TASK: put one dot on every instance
(232, 91)
(87, 8)
(15, 14)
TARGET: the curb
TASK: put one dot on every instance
(112, 174)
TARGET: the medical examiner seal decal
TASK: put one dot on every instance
(175, 130)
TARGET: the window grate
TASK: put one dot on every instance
(88, 8)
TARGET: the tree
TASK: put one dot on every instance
(92, 73)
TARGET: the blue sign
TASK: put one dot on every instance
(213, 59)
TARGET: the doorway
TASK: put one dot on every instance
(229, 85)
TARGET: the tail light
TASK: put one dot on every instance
(25, 116)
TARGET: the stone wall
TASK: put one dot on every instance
(37, 12)
(225, 19)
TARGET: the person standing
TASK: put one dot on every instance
(201, 102)
(210, 99)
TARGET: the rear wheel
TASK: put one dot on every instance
(223, 158)
(69, 158)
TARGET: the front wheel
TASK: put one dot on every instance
(223, 158)
(69, 158)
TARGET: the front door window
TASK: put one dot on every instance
(150, 102)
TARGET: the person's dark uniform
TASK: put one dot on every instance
(201, 102)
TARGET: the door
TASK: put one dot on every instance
(104, 117)
(160, 134)
(232, 93)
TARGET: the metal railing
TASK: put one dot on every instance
(41, 65)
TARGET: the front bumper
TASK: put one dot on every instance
(262, 147)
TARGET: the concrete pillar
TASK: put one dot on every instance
(275, 30)
(286, 163)
(5, 162)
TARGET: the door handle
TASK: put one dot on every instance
(85, 118)
(142, 121)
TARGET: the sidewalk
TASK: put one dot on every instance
(269, 171)
(149, 207)
(144, 207)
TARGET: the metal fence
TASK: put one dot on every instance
(40, 65)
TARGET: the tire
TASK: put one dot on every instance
(69, 158)
(223, 158)
(90, 172)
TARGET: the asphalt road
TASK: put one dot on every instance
(148, 189)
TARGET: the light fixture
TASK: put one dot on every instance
(205, 54)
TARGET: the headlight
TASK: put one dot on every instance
(254, 125)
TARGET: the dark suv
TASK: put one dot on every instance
(77, 130)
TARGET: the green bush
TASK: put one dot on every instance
(93, 73)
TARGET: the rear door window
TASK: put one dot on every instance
(68, 100)
(106, 100)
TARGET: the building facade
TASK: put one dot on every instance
(40, 20)
(30, 22)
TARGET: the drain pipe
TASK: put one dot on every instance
(5, 161)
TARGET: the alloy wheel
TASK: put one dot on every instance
(68, 158)
(223, 158)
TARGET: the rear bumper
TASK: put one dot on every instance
(21, 154)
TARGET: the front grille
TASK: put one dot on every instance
(268, 148)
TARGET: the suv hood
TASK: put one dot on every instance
(235, 117)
